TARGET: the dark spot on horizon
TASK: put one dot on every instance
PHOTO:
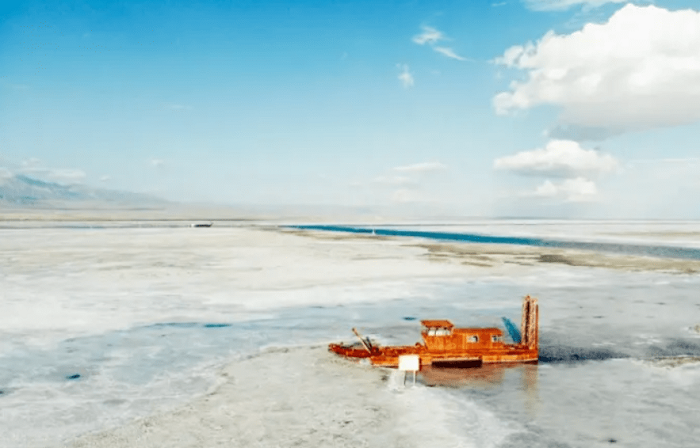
(173, 324)
(216, 325)
(612, 440)
(409, 318)
(75, 376)
(597, 317)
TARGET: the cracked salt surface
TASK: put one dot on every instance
(149, 343)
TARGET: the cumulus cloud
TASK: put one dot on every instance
(578, 189)
(428, 36)
(405, 76)
(565, 160)
(558, 5)
(639, 70)
(559, 158)
(157, 163)
(423, 167)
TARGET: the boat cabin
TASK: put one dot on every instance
(441, 335)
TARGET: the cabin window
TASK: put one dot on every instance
(496, 338)
(442, 332)
(473, 338)
(431, 332)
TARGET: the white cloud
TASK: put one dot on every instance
(157, 163)
(421, 167)
(553, 5)
(449, 53)
(105, 178)
(405, 76)
(431, 36)
(428, 36)
(560, 158)
(578, 189)
(639, 70)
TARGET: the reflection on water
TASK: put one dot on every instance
(488, 377)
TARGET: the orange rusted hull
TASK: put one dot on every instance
(389, 356)
(446, 346)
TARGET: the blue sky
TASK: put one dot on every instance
(563, 108)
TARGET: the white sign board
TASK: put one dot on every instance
(409, 363)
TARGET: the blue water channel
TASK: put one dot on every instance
(686, 253)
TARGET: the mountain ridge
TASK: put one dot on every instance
(23, 191)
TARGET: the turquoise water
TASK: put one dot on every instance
(687, 253)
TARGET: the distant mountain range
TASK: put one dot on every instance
(22, 191)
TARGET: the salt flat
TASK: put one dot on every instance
(297, 397)
(166, 329)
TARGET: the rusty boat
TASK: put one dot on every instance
(446, 346)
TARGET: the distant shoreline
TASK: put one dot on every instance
(500, 256)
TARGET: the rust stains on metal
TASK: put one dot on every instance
(446, 346)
